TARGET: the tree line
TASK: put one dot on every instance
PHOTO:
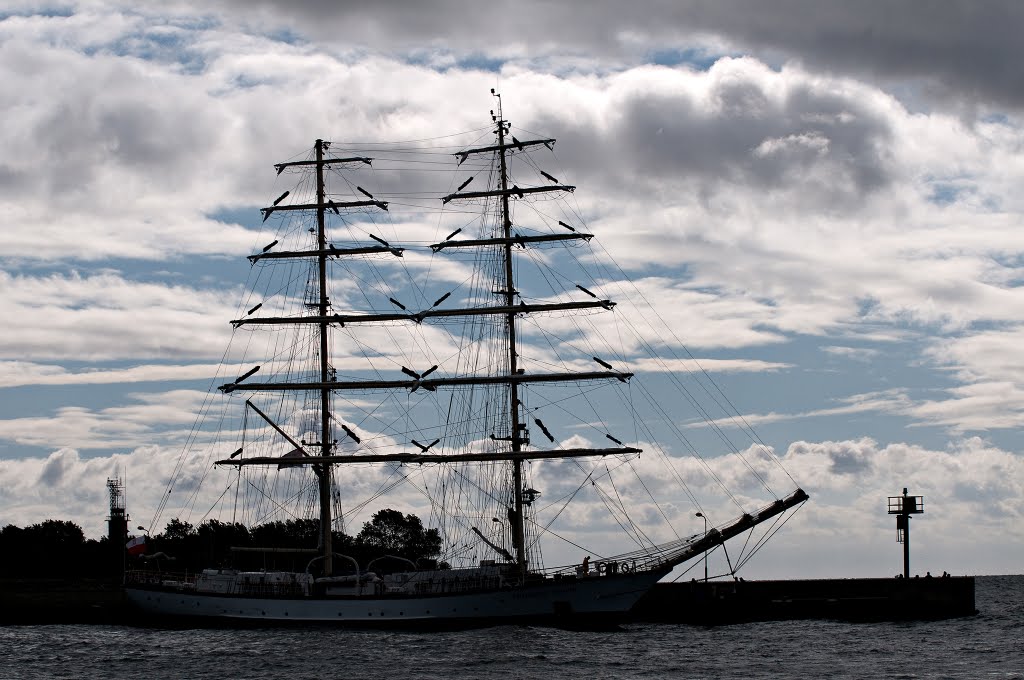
(57, 548)
(52, 549)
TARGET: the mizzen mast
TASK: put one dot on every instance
(518, 435)
(518, 428)
(323, 471)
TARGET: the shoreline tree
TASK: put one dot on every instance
(59, 549)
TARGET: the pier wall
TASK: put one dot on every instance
(869, 599)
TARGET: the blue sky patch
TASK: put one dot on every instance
(697, 58)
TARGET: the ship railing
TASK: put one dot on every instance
(445, 584)
(608, 566)
(273, 589)
(160, 579)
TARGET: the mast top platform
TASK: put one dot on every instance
(906, 505)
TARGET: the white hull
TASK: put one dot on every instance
(595, 598)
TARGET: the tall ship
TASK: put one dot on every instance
(462, 354)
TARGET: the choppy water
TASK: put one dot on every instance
(989, 645)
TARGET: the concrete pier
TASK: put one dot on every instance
(869, 599)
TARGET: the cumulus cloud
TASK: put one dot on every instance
(104, 315)
(145, 417)
(962, 53)
(842, 531)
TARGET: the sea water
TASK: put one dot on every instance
(988, 645)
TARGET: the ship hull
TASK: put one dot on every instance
(597, 600)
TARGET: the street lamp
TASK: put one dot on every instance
(701, 515)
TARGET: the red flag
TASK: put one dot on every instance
(136, 545)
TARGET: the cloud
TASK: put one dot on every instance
(983, 355)
(957, 52)
(976, 407)
(708, 365)
(707, 141)
(57, 464)
(21, 373)
(103, 316)
(152, 416)
(842, 529)
(863, 354)
(893, 401)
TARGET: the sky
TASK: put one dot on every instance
(821, 197)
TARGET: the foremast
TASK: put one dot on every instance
(322, 461)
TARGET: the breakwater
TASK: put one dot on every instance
(868, 599)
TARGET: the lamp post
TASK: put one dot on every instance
(498, 525)
(701, 515)
(136, 545)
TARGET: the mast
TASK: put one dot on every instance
(516, 513)
(323, 471)
(319, 454)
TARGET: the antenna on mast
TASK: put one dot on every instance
(499, 118)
